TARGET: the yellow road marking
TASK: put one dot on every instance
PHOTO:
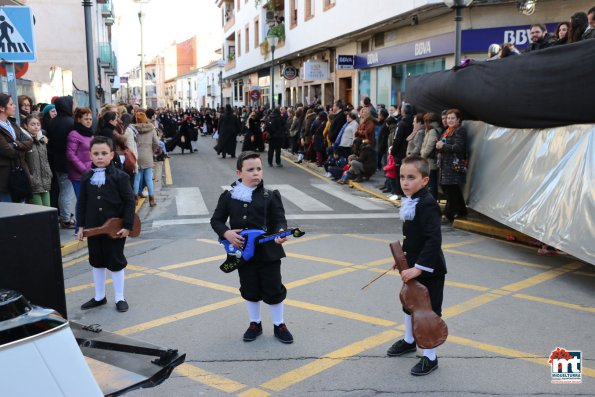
(588, 274)
(330, 360)
(208, 378)
(318, 259)
(503, 351)
(541, 277)
(86, 257)
(168, 178)
(341, 313)
(496, 259)
(193, 262)
(364, 237)
(254, 393)
(198, 282)
(306, 239)
(384, 261)
(108, 281)
(469, 305)
(318, 277)
(179, 316)
(555, 303)
(466, 286)
(208, 241)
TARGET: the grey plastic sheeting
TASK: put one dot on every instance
(540, 182)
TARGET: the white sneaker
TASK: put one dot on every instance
(144, 193)
(394, 197)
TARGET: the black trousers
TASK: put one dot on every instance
(455, 203)
(107, 252)
(435, 286)
(275, 149)
(261, 281)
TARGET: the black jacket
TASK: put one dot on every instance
(337, 122)
(265, 212)
(422, 236)
(404, 128)
(57, 133)
(112, 200)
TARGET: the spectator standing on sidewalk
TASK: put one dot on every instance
(433, 124)
(147, 145)
(37, 161)
(339, 119)
(275, 134)
(229, 128)
(62, 192)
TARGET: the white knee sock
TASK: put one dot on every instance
(253, 311)
(99, 280)
(430, 353)
(118, 280)
(408, 329)
(277, 313)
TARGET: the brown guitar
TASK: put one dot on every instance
(112, 226)
(429, 330)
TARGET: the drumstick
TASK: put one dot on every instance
(376, 278)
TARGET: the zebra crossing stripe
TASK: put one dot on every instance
(339, 193)
(299, 198)
(189, 201)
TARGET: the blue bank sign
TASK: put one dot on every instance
(425, 48)
(478, 40)
(17, 42)
(345, 62)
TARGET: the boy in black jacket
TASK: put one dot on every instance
(105, 193)
(250, 206)
(422, 240)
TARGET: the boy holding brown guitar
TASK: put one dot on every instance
(422, 240)
(105, 193)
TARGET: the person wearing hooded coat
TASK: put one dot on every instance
(276, 135)
(62, 192)
(229, 128)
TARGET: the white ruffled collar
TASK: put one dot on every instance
(407, 212)
(242, 192)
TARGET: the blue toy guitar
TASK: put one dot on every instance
(236, 257)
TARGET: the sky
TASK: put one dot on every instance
(165, 21)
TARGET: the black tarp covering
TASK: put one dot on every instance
(548, 88)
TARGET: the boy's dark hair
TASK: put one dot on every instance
(246, 156)
(418, 162)
(100, 140)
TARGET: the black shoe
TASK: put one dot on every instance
(253, 332)
(93, 303)
(283, 334)
(279, 165)
(270, 164)
(122, 306)
(401, 347)
(424, 366)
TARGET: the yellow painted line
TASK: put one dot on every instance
(541, 277)
(208, 378)
(107, 281)
(194, 262)
(496, 259)
(384, 261)
(86, 257)
(588, 274)
(492, 230)
(72, 246)
(363, 237)
(304, 167)
(466, 286)
(319, 259)
(179, 316)
(374, 193)
(340, 313)
(198, 282)
(318, 277)
(328, 361)
(469, 305)
(208, 241)
(306, 239)
(254, 393)
(168, 178)
(503, 351)
(555, 303)
(139, 203)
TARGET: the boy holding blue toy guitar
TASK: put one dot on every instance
(249, 205)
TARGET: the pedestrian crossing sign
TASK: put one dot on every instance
(17, 41)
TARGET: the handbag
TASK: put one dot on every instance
(19, 183)
(459, 165)
(129, 161)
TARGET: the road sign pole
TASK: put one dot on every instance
(12, 88)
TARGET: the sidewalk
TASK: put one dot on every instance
(475, 222)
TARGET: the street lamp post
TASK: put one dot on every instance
(273, 41)
(458, 5)
(221, 86)
(143, 93)
(87, 4)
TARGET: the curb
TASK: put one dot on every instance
(75, 245)
(314, 170)
(497, 231)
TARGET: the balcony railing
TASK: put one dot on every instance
(105, 55)
(107, 9)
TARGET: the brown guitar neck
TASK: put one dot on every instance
(399, 256)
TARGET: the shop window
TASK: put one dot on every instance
(363, 87)
(365, 46)
(379, 40)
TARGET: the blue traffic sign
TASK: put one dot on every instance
(17, 41)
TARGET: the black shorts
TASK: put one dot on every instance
(105, 252)
(261, 281)
(435, 286)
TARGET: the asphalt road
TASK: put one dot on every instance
(506, 307)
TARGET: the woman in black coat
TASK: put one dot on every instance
(276, 135)
(229, 128)
(452, 150)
